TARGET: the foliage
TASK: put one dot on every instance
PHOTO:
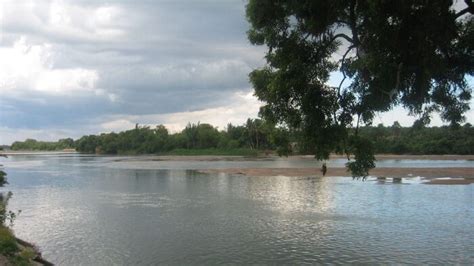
(8, 244)
(9, 248)
(257, 136)
(3, 175)
(421, 140)
(411, 53)
(6, 216)
(363, 154)
(195, 139)
(34, 145)
(3, 178)
(24, 257)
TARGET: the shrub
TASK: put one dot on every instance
(8, 245)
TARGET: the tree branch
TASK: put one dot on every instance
(352, 21)
(306, 36)
(343, 59)
(463, 12)
(357, 127)
(342, 35)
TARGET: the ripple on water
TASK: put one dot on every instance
(107, 216)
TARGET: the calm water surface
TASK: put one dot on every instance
(109, 210)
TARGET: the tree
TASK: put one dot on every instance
(413, 53)
(396, 129)
(4, 215)
(207, 136)
(3, 175)
(191, 134)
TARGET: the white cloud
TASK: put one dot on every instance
(65, 20)
(27, 68)
(66, 80)
(117, 125)
(244, 106)
(9, 135)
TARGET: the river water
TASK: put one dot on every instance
(99, 210)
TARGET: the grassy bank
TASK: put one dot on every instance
(12, 252)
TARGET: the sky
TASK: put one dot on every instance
(71, 68)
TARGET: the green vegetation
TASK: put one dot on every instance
(8, 244)
(260, 137)
(3, 178)
(196, 139)
(10, 250)
(34, 145)
(14, 251)
(421, 140)
(411, 53)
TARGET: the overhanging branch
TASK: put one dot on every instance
(463, 12)
(342, 35)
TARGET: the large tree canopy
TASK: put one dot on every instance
(414, 53)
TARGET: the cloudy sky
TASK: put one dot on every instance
(69, 68)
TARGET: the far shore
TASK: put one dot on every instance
(240, 157)
(24, 152)
(293, 157)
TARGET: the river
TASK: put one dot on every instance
(104, 210)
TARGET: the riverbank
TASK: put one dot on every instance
(458, 172)
(239, 154)
(307, 166)
(14, 251)
(10, 152)
(213, 157)
(456, 167)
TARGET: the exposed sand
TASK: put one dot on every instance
(415, 157)
(237, 158)
(464, 175)
(387, 172)
(295, 157)
(459, 176)
(460, 181)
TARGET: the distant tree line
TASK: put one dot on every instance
(421, 140)
(258, 135)
(255, 134)
(35, 145)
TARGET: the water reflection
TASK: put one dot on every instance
(80, 211)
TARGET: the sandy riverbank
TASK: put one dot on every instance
(237, 158)
(460, 175)
(12, 153)
(458, 172)
(291, 158)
